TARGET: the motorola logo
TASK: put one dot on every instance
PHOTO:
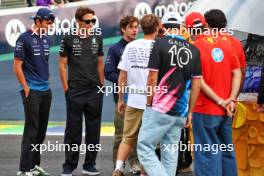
(142, 9)
(12, 31)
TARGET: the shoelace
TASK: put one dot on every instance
(41, 169)
(28, 174)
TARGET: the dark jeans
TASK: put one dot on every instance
(37, 108)
(212, 131)
(87, 102)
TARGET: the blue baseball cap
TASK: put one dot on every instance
(44, 14)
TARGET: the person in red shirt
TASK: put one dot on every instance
(216, 18)
(212, 128)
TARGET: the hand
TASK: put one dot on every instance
(65, 89)
(102, 82)
(230, 108)
(225, 103)
(26, 90)
(121, 106)
(189, 120)
(260, 108)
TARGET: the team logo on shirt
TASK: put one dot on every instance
(95, 46)
(217, 54)
(76, 41)
(224, 38)
(94, 41)
(35, 41)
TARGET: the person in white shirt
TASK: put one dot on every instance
(132, 80)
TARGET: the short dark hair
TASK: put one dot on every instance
(149, 23)
(125, 21)
(216, 18)
(81, 11)
(35, 20)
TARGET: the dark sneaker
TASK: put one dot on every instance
(67, 172)
(90, 170)
(38, 171)
(19, 173)
(118, 173)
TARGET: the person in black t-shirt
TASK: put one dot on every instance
(173, 65)
(83, 54)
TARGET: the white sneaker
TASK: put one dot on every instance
(66, 174)
(20, 173)
(37, 170)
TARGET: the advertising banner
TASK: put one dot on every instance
(13, 22)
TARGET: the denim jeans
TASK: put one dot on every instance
(164, 129)
(216, 132)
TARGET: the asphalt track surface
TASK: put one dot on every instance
(11, 104)
(52, 161)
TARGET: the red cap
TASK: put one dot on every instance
(194, 20)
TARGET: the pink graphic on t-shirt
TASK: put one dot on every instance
(164, 102)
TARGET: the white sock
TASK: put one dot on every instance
(120, 165)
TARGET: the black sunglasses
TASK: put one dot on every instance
(93, 21)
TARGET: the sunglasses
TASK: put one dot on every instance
(93, 21)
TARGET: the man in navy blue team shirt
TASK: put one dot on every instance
(31, 57)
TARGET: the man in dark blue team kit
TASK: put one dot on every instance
(128, 28)
(31, 67)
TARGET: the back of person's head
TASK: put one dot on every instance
(125, 21)
(171, 20)
(149, 24)
(195, 23)
(216, 18)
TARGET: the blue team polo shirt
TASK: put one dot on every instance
(33, 50)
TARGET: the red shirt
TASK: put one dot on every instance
(218, 59)
(238, 47)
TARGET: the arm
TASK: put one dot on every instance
(100, 69)
(196, 86)
(122, 82)
(151, 83)
(236, 83)
(111, 71)
(63, 72)
(17, 68)
(212, 95)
